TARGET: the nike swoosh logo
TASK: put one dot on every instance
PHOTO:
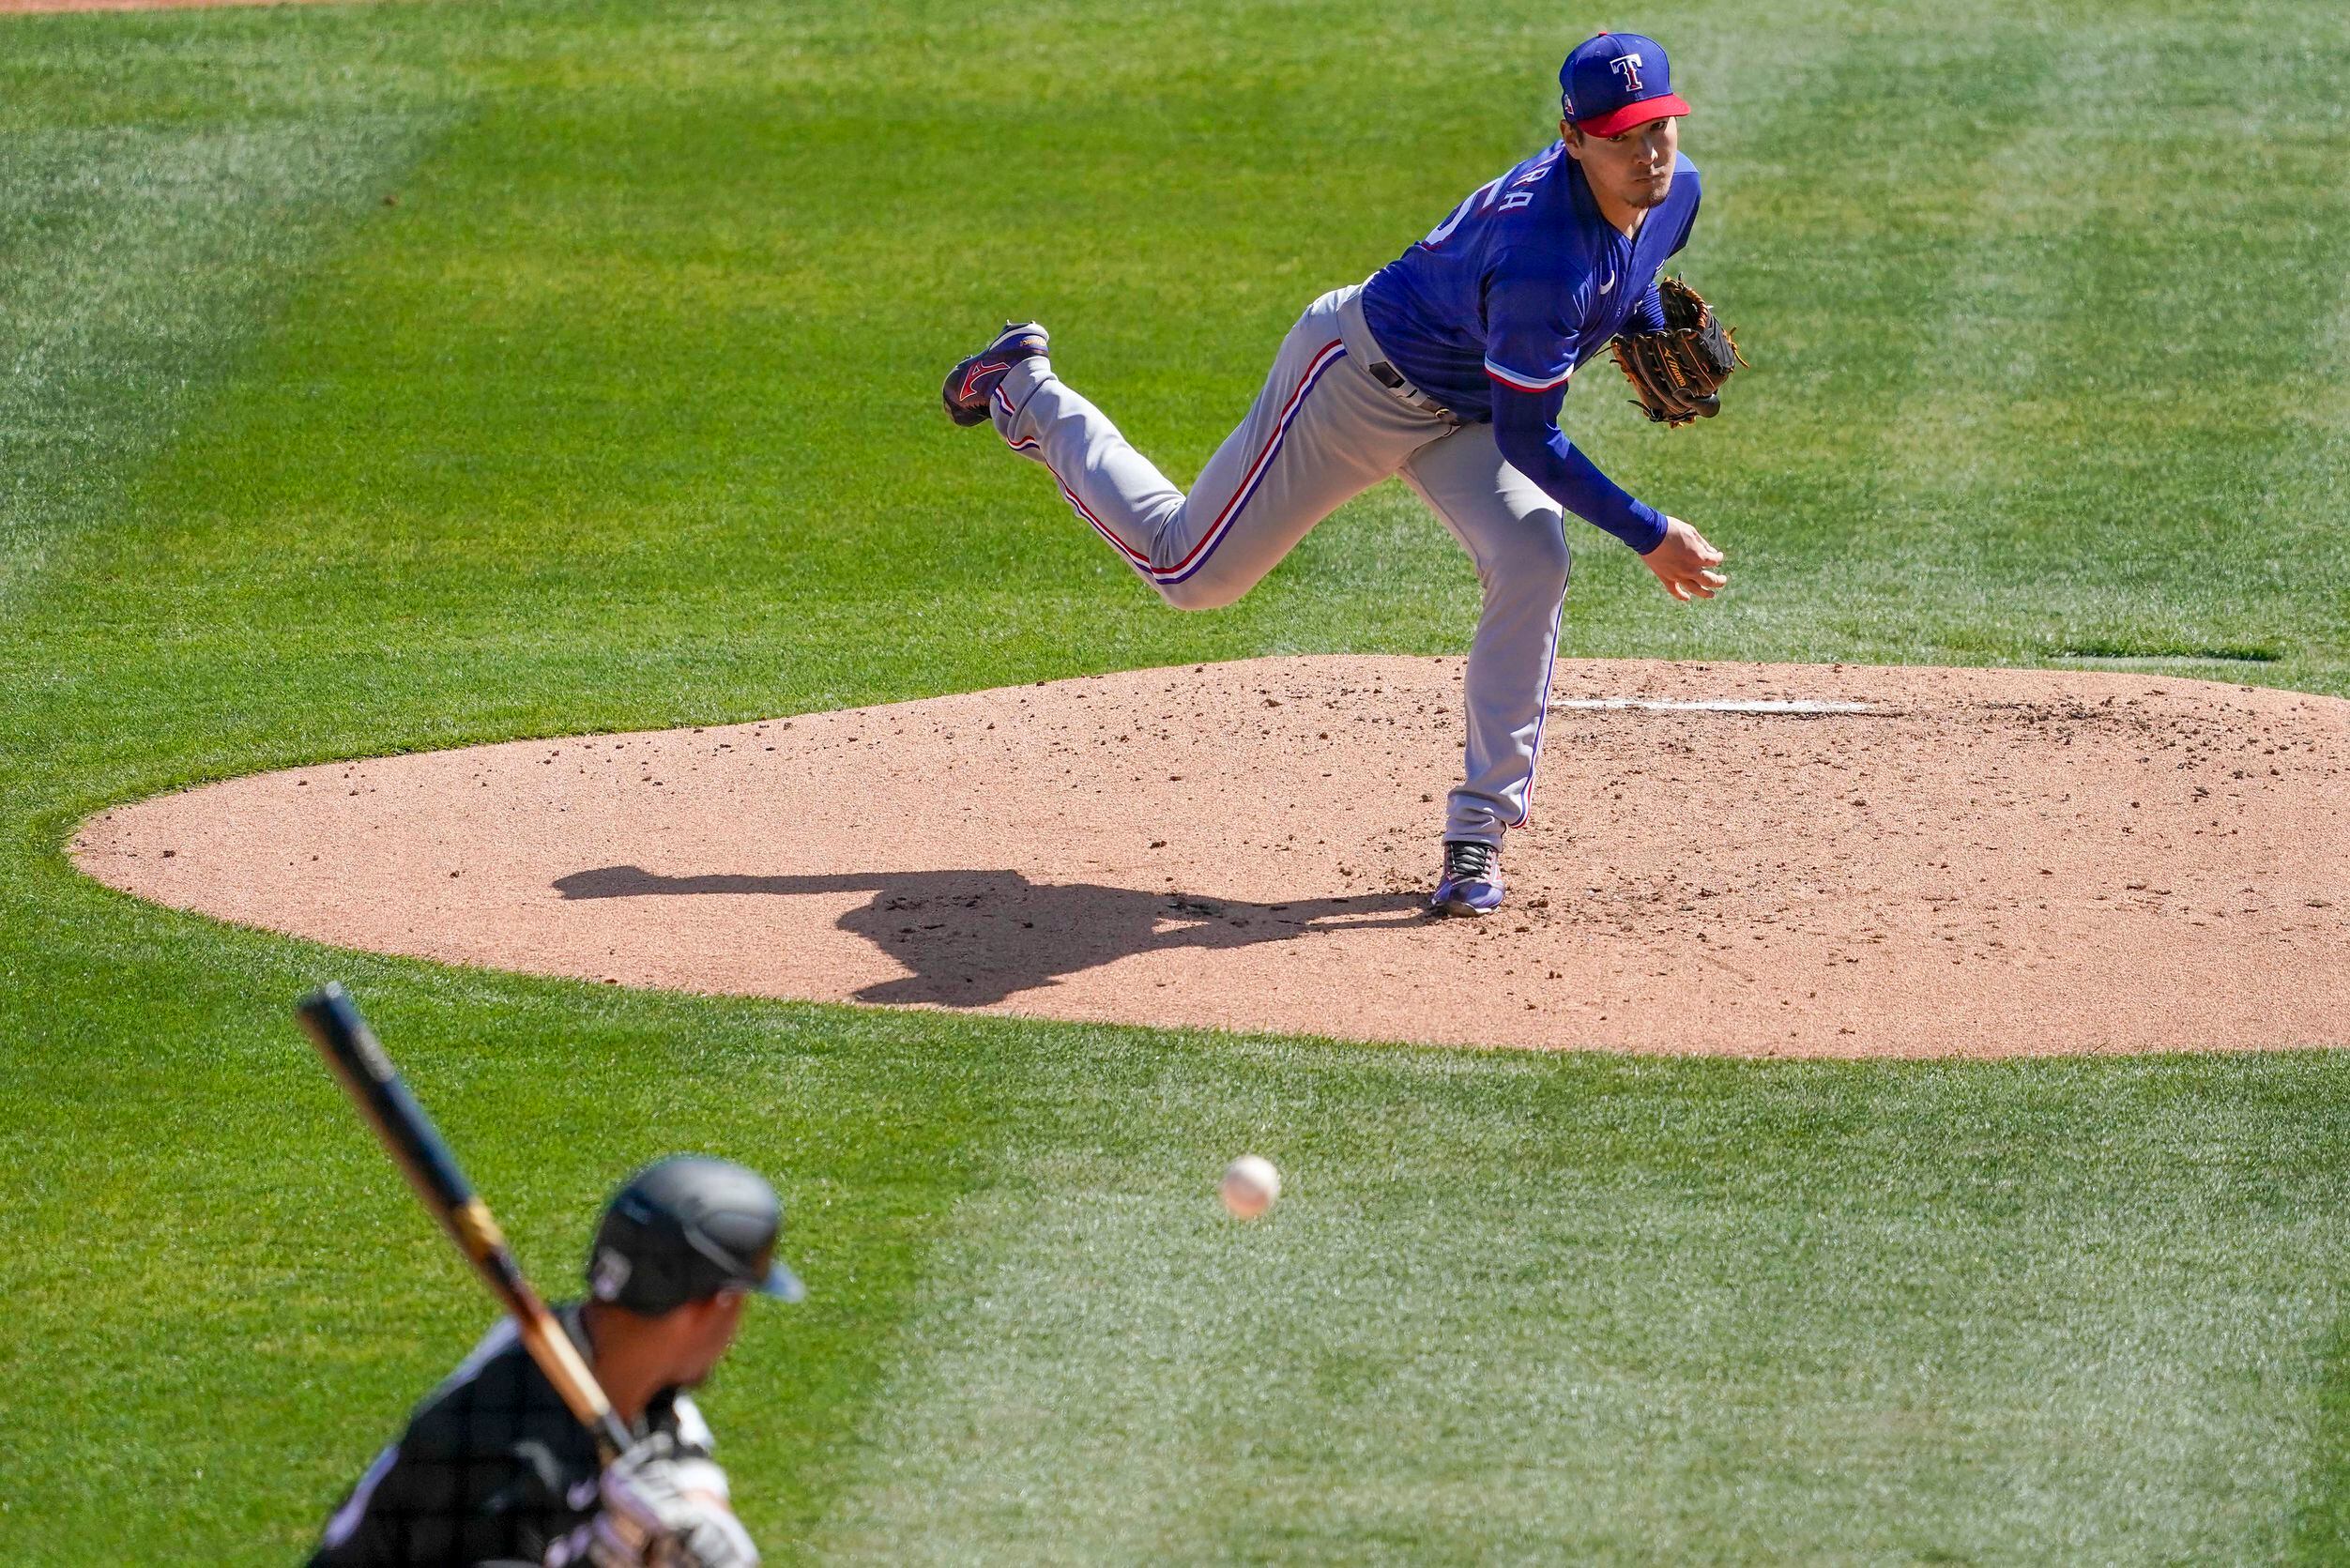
(1609, 284)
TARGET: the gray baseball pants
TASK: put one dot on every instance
(1322, 432)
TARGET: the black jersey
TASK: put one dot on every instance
(493, 1466)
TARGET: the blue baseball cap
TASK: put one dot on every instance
(1614, 82)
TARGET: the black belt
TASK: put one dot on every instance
(1387, 376)
(1352, 323)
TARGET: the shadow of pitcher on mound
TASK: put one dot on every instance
(976, 938)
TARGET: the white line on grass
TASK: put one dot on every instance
(1801, 707)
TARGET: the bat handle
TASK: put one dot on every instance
(551, 1348)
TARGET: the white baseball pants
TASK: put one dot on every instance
(1322, 432)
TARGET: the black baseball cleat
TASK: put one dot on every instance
(975, 379)
(1472, 882)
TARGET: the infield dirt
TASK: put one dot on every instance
(1961, 862)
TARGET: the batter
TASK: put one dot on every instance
(495, 1471)
(1447, 369)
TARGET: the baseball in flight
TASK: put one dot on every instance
(1250, 1184)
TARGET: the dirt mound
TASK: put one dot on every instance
(1760, 860)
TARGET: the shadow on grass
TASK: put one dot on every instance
(975, 937)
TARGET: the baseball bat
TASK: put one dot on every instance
(416, 1145)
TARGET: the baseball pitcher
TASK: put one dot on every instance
(1447, 367)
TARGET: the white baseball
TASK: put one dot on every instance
(1250, 1184)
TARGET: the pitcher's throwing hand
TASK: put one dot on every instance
(1684, 562)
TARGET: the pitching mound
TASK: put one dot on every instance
(1724, 859)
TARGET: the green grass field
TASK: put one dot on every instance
(389, 379)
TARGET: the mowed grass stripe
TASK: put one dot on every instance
(145, 241)
(2321, 1531)
(259, 1217)
(148, 245)
(1601, 1311)
(2155, 449)
(2119, 441)
(141, 260)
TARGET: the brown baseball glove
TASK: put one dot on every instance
(1679, 372)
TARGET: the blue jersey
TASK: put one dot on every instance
(1522, 282)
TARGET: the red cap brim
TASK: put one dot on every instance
(1663, 108)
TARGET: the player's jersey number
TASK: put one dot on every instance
(1469, 204)
(1482, 198)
